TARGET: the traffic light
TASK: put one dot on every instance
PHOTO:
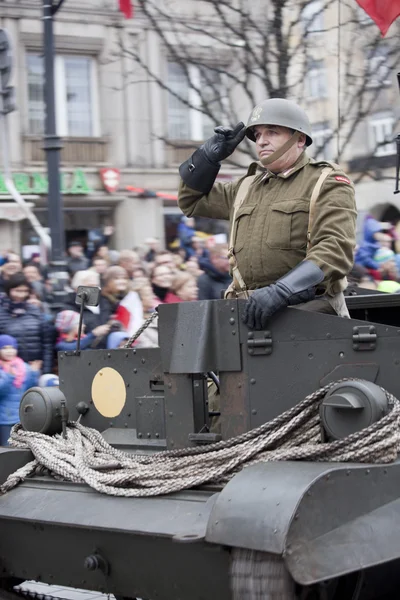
(7, 92)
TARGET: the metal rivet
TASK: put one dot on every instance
(239, 385)
(233, 332)
(135, 370)
(171, 414)
(139, 435)
(252, 381)
(109, 354)
(125, 424)
(341, 354)
(232, 309)
(111, 424)
(126, 355)
(157, 435)
(292, 337)
(143, 361)
(311, 355)
(367, 472)
(134, 351)
(328, 335)
(89, 364)
(232, 321)
(140, 403)
(127, 385)
(254, 412)
(149, 435)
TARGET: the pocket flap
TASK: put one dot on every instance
(292, 206)
(244, 210)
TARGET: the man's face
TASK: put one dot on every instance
(220, 261)
(100, 266)
(76, 251)
(270, 138)
(31, 273)
(13, 265)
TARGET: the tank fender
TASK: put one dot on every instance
(325, 519)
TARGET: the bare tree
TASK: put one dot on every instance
(234, 53)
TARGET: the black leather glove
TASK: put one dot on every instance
(294, 288)
(223, 143)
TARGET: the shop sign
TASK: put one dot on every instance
(74, 183)
(110, 179)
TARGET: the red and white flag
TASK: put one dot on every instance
(130, 312)
(126, 7)
(383, 12)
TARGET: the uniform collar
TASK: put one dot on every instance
(257, 168)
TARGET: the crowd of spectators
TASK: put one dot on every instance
(377, 257)
(35, 325)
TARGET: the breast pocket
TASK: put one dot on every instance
(288, 224)
(241, 227)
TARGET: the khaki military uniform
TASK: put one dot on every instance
(272, 222)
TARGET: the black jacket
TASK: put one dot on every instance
(212, 283)
(34, 333)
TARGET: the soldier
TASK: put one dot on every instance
(293, 219)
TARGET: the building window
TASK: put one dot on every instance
(316, 86)
(186, 121)
(76, 96)
(378, 68)
(381, 134)
(312, 17)
(322, 140)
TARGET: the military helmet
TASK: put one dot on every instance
(279, 111)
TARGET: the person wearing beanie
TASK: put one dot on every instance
(16, 377)
(19, 318)
(387, 268)
(67, 325)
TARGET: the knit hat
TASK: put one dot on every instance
(66, 320)
(48, 380)
(383, 255)
(8, 340)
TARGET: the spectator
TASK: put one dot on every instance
(77, 260)
(34, 276)
(36, 260)
(11, 266)
(153, 245)
(119, 303)
(15, 378)
(167, 259)
(67, 324)
(185, 287)
(186, 233)
(130, 261)
(91, 314)
(385, 259)
(215, 279)
(161, 281)
(192, 267)
(373, 235)
(100, 266)
(20, 319)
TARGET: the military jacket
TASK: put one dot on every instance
(272, 222)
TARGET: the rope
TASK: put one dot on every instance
(139, 332)
(85, 457)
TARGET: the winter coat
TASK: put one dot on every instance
(367, 250)
(10, 396)
(34, 333)
(64, 346)
(212, 283)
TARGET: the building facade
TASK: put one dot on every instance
(132, 121)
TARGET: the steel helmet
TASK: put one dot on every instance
(279, 111)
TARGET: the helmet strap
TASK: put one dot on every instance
(281, 151)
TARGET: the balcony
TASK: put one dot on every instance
(80, 151)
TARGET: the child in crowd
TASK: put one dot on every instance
(67, 324)
(16, 377)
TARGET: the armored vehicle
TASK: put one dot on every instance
(326, 527)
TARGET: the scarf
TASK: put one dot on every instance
(15, 367)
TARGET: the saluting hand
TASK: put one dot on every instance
(223, 143)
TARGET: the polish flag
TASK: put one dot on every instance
(126, 7)
(383, 12)
(130, 312)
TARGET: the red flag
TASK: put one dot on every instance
(126, 7)
(383, 12)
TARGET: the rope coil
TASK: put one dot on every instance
(85, 457)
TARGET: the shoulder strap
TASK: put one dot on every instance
(240, 196)
(314, 197)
